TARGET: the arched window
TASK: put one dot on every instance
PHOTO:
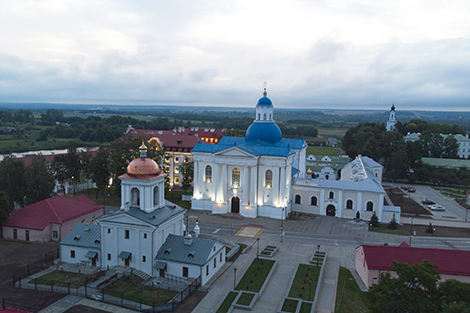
(208, 174)
(298, 199)
(268, 179)
(155, 195)
(313, 200)
(370, 206)
(264, 116)
(331, 195)
(236, 177)
(269, 116)
(135, 196)
(259, 116)
(349, 204)
(327, 176)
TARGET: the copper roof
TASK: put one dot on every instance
(143, 166)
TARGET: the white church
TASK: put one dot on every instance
(263, 174)
(147, 233)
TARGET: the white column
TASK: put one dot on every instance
(196, 184)
(216, 183)
(380, 207)
(322, 208)
(283, 187)
(252, 185)
(340, 204)
(245, 185)
(223, 191)
(172, 169)
(359, 203)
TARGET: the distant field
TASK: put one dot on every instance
(332, 132)
(322, 151)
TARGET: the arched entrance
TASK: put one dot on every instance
(330, 210)
(235, 205)
(358, 215)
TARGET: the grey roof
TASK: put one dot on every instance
(449, 163)
(159, 265)
(124, 255)
(283, 148)
(91, 254)
(154, 218)
(83, 235)
(393, 209)
(175, 250)
(366, 185)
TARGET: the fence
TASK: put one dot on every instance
(100, 294)
(49, 259)
(6, 304)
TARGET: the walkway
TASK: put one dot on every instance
(327, 296)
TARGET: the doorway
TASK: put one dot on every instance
(330, 210)
(127, 262)
(93, 261)
(235, 205)
(27, 235)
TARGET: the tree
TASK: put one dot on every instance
(187, 169)
(12, 179)
(393, 223)
(86, 166)
(73, 164)
(39, 182)
(374, 220)
(451, 148)
(100, 170)
(415, 290)
(6, 206)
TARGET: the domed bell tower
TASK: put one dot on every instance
(143, 185)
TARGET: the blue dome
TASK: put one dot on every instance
(267, 132)
(265, 101)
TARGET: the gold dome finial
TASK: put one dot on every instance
(143, 150)
(265, 89)
(309, 171)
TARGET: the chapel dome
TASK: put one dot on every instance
(267, 132)
(264, 101)
(143, 165)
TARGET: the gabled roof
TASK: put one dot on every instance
(449, 262)
(83, 235)
(175, 250)
(283, 148)
(155, 218)
(57, 210)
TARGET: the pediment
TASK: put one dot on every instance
(234, 152)
(122, 218)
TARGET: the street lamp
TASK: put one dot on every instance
(309, 288)
(411, 228)
(282, 225)
(318, 257)
(234, 278)
(257, 247)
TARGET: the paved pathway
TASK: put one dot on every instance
(327, 296)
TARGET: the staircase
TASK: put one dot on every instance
(141, 274)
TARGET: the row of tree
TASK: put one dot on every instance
(391, 150)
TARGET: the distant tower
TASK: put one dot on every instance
(392, 120)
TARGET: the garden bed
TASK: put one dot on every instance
(255, 275)
(301, 285)
(60, 278)
(269, 251)
(227, 304)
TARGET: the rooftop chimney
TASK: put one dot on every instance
(188, 240)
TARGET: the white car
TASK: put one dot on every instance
(437, 207)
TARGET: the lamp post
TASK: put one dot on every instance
(257, 247)
(309, 288)
(234, 278)
(158, 293)
(282, 225)
(411, 228)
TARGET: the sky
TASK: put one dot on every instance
(315, 54)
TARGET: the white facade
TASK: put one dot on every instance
(463, 141)
(392, 119)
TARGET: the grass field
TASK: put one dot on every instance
(13, 242)
(61, 278)
(131, 288)
(405, 230)
(322, 151)
(289, 305)
(349, 297)
(301, 284)
(255, 275)
(225, 306)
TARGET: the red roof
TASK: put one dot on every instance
(48, 158)
(450, 262)
(181, 139)
(56, 210)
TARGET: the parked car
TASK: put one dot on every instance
(404, 187)
(411, 189)
(437, 207)
(427, 201)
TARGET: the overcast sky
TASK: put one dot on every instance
(312, 54)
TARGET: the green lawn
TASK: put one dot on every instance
(301, 283)
(305, 307)
(131, 288)
(315, 150)
(225, 306)
(255, 275)
(61, 278)
(13, 242)
(349, 297)
(289, 305)
(175, 197)
(245, 298)
(236, 255)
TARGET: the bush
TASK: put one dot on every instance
(430, 229)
